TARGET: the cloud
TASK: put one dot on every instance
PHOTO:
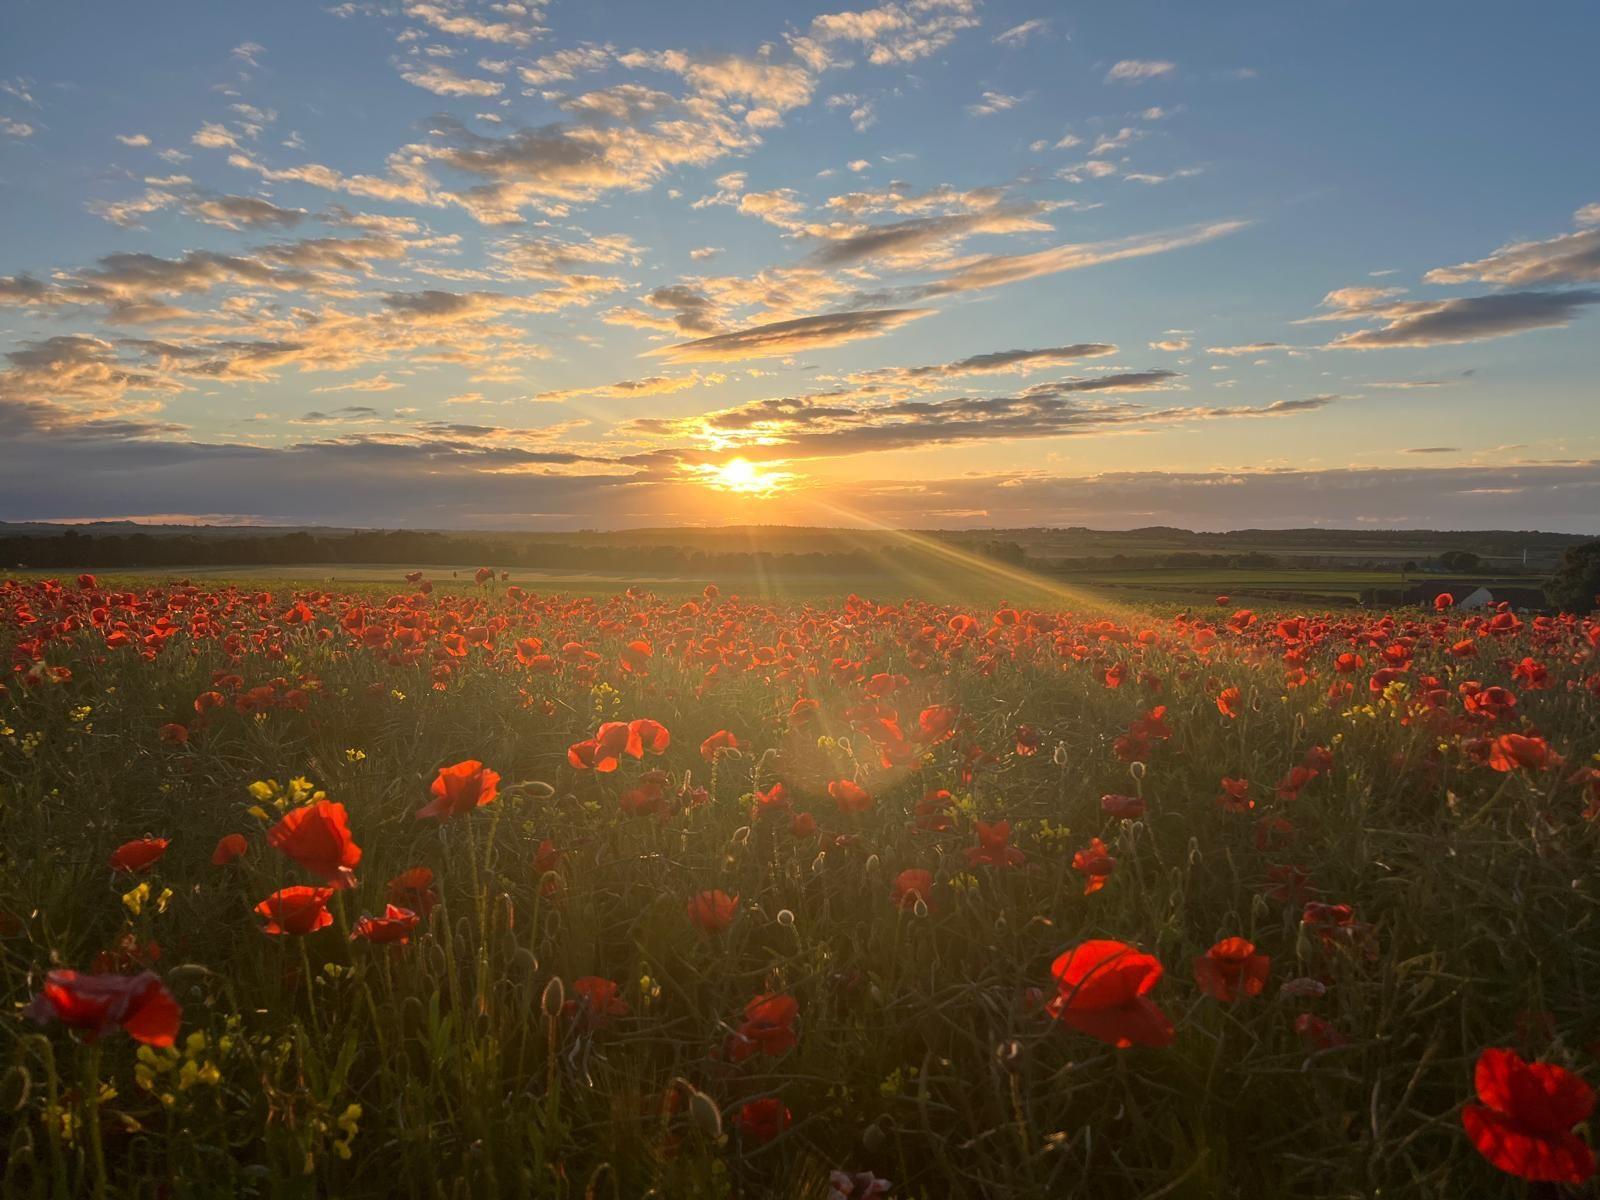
(1468, 319)
(1251, 349)
(1570, 258)
(1173, 345)
(212, 136)
(442, 81)
(1018, 35)
(1137, 70)
(561, 65)
(1432, 450)
(993, 362)
(998, 270)
(826, 426)
(782, 338)
(906, 242)
(993, 102)
(890, 34)
(627, 389)
(445, 20)
(133, 139)
(377, 383)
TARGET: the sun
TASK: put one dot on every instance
(744, 477)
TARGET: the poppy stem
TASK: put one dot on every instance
(91, 1104)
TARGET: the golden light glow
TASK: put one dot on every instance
(745, 478)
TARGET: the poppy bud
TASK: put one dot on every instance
(21, 1150)
(871, 865)
(555, 995)
(785, 918)
(706, 1115)
(740, 836)
(525, 962)
(437, 963)
(873, 1138)
(538, 789)
(1059, 756)
(15, 1086)
(920, 908)
(1009, 1054)
(1136, 769)
(816, 863)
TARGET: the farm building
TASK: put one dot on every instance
(1471, 595)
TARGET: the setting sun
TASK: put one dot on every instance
(742, 476)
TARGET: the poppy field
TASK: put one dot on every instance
(450, 888)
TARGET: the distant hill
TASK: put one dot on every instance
(749, 547)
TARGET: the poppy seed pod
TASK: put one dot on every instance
(703, 1111)
(1059, 755)
(555, 995)
(873, 1138)
(15, 1086)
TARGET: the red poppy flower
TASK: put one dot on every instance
(461, 788)
(762, 1120)
(1523, 1123)
(768, 1028)
(413, 889)
(1235, 795)
(392, 929)
(140, 1004)
(318, 838)
(912, 885)
(1320, 1033)
(1228, 702)
(713, 912)
(717, 743)
(651, 735)
(1102, 990)
(994, 848)
(173, 734)
(1124, 808)
(937, 722)
(1231, 969)
(850, 796)
(770, 802)
(1095, 864)
(1029, 740)
(138, 855)
(296, 910)
(934, 812)
(596, 1002)
(1514, 752)
(229, 847)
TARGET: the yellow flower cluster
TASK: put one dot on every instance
(168, 1071)
(135, 900)
(269, 791)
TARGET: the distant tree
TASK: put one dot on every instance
(1576, 583)
(1460, 560)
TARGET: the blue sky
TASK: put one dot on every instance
(928, 262)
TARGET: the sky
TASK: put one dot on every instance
(554, 264)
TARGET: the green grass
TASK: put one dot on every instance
(918, 1056)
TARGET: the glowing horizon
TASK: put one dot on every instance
(936, 263)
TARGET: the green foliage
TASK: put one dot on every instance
(1576, 584)
(330, 1068)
